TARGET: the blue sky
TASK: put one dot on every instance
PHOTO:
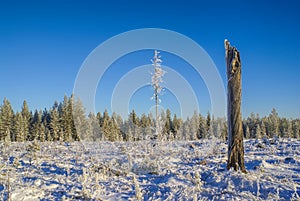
(44, 43)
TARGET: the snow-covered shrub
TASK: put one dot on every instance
(196, 180)
(146, 166)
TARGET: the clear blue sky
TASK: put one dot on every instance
(44, 43)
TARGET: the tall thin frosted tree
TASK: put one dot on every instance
(156, 84)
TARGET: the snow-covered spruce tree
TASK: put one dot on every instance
(185, 130)
(247, 133)
(110, 128)
(258, 134)
(116, 124)
(273, 123)
(133, 123)
(6, 116)
(35, 126)
(42, 132)
(74, 133)
(66, 119)
(54, 123)
(202, 127)
(19, 131)
(224, 131)
(296, 129)
(263, 128)
(48, 136)
(290, 128)
(208, 126)
(217, 129)
(194, 126)
(145, 123)
(176, 126)
(104, 125)
(286, 128)
(167, 131)
(80, 120)
(251, 122)
(156, 84)
(115, 133)
(27, 116)
(95, 127)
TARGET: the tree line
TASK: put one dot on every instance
(67, 121)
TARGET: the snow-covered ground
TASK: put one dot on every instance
(139, 171)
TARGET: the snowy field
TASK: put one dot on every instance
(139, 171)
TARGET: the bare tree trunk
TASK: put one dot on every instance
(234, 115)
(156, 137)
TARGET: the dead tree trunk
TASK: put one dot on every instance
(234, 115)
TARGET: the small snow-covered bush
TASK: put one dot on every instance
(146, 166)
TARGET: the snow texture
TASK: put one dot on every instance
(190, 170)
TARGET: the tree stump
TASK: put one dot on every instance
(234, 115)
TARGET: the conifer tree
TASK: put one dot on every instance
(224, 132)
(42, 130)
(35, 126)
(66, 121)
(61, 135)
(194, 126)
(27, 116)
(116, 126)
(186, 130)
(45, 118)
(208, 125)
(263, 128)
(134, 124)
(99, 118)
(273, 121)
(258, 133)
(202, 130)
(48, 135)
(6, 116)
(289, 129)
(168, 124)
(74, 133)
(106, 128)
(247, 133)
(176, 126)
(145, 127)
(19, 128)
(104, 124)
(54, 124)
(95, 127)
(217, 129)
(115, 134)
(144, 121)
(296, 129)
(129, 135)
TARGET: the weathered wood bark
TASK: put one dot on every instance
(234, 115)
